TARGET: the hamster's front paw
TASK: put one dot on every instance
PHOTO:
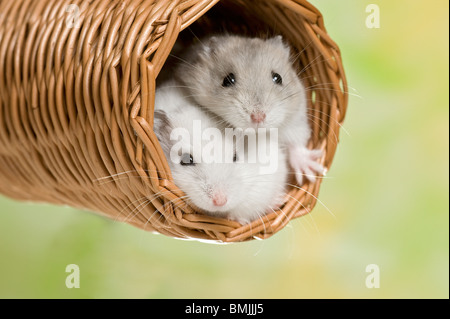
(304, 162)
(240, 219)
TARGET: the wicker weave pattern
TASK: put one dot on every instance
(76, 106)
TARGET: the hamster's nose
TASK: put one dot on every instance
(219, 199)
(258, 117)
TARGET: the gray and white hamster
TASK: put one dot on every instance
(251, 83)
(229, 185)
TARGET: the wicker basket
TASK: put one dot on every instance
(77, 100)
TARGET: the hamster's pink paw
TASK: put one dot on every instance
(305, 165)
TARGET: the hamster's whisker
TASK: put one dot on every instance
(114, 175)
(309, 212)
(126, 177)
(155, 196)
(312, 63)
(178, 202)
(193, 95)
(183, 87)
(148, 220)
(318, 86)
(322, 130)
(138, 210)
(153, 214)
(130, 204)
(219, 117)
(298, 55)
(307, 77)
(331, 84)
(290, 96)
(260, 216)
(315, 197)
(193, 33)
(287, 85)
(308, 175)
(151, 201)
(334, 90)
(282, 211)
(295, 199)
(195, 67)
(136, 207)
(330, 117)
(328, 125)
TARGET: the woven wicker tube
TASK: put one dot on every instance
(77, 88)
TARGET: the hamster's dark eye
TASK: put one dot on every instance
(277, 79)
(235, 158)
(229, 80)
(187, 160)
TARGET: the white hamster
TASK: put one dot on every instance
(251, 83)
(228, 185)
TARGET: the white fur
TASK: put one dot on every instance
(250, 193)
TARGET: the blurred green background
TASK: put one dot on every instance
(388, 189)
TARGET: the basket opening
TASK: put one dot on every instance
(264, 19)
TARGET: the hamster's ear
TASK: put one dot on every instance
(279, 42)
(161, 125)
(160, 118)
(209, 46)
(278, 39)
